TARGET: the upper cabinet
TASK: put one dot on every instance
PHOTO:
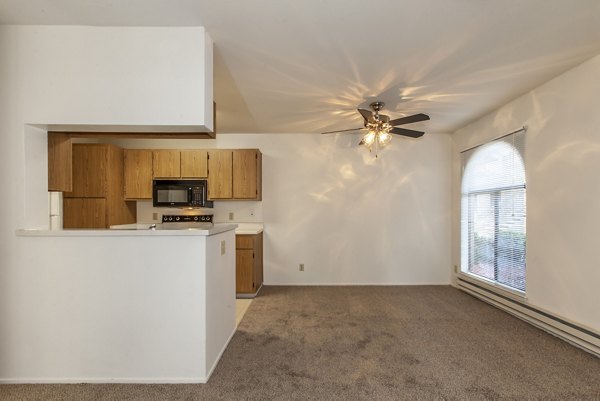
(220, 173)
(138, 174)
(235, 174)
(190, 163)
(194, 163)
(247, 172)
(166, 164)
(231, 174)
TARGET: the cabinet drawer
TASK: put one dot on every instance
(244, 241)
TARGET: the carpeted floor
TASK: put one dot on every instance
(384, 343)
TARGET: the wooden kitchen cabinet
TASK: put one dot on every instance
(97, 197)
(166, 164)
(220, 173)
(60, 162)
(247, 171)
(84, 213)
(194, 163)
(248, 265)
(137, 167)
(235, 174)
(89, 171)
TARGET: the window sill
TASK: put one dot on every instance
(492, 286)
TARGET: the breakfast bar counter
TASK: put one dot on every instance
(128, 230)
(132, 305)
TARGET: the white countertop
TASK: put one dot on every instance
(249, 228)
(127, 230)
(242, 228)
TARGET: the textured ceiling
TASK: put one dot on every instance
(304, 66)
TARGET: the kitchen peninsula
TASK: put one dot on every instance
(127, 305)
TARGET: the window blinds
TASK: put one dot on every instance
(493, 211)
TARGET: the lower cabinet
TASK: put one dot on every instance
(248, 264)
(84, 213)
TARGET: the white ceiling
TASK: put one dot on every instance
(304, 66)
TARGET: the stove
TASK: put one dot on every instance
(184, 222)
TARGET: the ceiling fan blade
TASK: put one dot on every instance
(343, 130)
(406, 132)
(409, 119)
(367, 115)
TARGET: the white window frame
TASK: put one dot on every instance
(464, 269)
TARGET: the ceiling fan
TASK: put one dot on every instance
(379, 127)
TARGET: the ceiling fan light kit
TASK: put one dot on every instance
(379, 127)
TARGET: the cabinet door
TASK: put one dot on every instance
(89, 171)
(219, 174)
(137, 174)
(244, 277)
(245, 174)
(60, 162)
(84, 213)
(166, 164)
(194, 164)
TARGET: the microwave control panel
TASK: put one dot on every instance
(196, 196)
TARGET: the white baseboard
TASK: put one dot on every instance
(577, 335)
(98, 380)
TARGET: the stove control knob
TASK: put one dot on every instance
(177, 218)
(170, 218)
(195, 218)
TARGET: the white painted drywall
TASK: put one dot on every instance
(219, 296)
(348, 217)
(118, 309)
(562, 161)
(140, 76)
(69, 75)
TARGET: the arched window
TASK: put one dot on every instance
(493, 240)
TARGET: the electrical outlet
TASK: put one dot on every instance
(222, 247)
(251, 212)
(230, 216)
(154, 216)
(301, 267)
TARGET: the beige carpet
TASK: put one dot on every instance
(359, 343)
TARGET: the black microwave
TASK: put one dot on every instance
(180, 193)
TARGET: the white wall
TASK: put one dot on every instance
(118, 308)
(153, 78)
(562, 163)
(58, 75)
(350, 218)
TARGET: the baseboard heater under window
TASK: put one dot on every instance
(581, 337)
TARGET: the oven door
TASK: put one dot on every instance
(165, 195)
